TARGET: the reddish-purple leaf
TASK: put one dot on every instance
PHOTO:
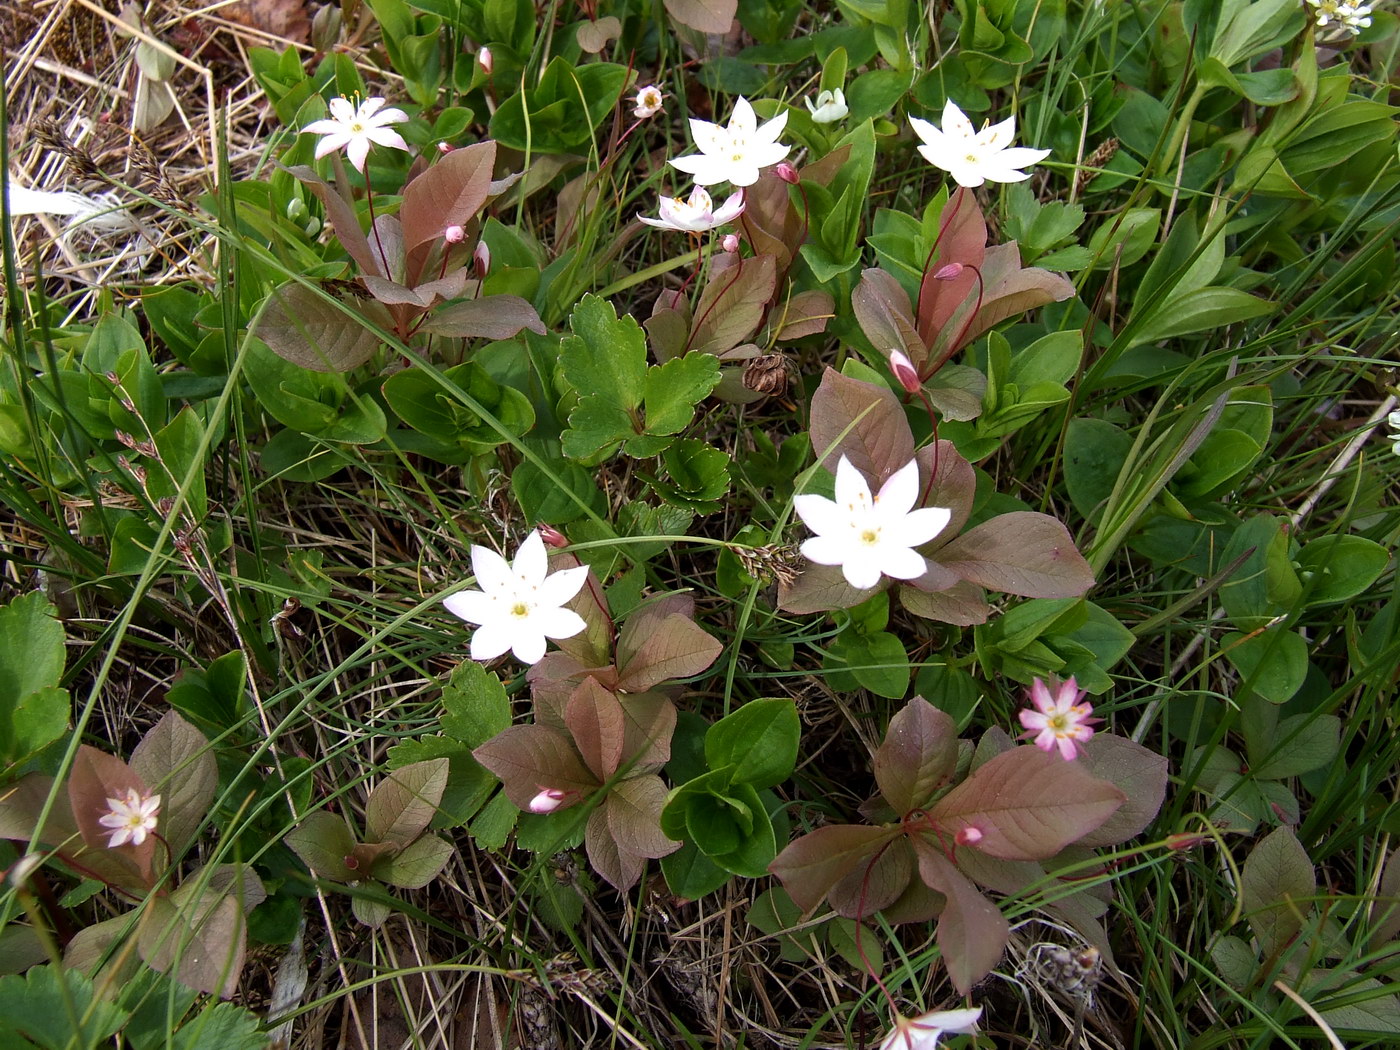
(962, 605)
(708, 16)
(1021, 553)
(402, 805)
(553, 680)
(667, 331)
(95, 777)
(341, 213)
(806, 313)
(595, 720)
(490, 317)
(863, 422)
(676, 647)
(301, 325)
(918, 903)
(917, 757)
(972, 932)
(634, 817)
(956, 391)
(733, 303)
(175, 759)
(449, 286)
(1277, 880)
(954, 486)
(20, 806)
(1140, 773)
(651, 722)
(822, 587)
(449, 193)
(386, 242)
(814, 863)
(1011, 291)
(323, 840)
(876, 883)
(529, 759)
(1027, 804)
(615, 864)
(884, 314)
(962, 238)
(593, 646)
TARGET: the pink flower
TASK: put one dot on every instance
(1059, 720)
(454, 234)
(130, 819)
(548, 800)
(905, 372)
(697, 214)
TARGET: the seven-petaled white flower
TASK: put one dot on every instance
(973, 157)
(696, 214)
(735, 153)
(353, 128)
(519, 604)
(924, 1031)
(870, 536)
(1059, 719)
(829, 107)
(648, 102)
(1352, 17)
(131, 819)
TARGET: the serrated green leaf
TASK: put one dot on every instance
(674, 389)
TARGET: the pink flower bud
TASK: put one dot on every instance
(547, 801)
(730, 242)
(905, 372)
(968, 836)
(787, 173)
(481, 259)
(484, 57)
(445, 149)
(1184, 840)
(553, 536)
(454, 235)
(949, 272)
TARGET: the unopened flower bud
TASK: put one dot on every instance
(454, 235)
(730, 242)
(296, 208)
(968, 836)
(481, 259)
(484, 57)
(1185, 840)
(948, 272)
(905, 372)
(445, 149)
(552, 536)
(787, 173)
(547, 801)
(312, 227)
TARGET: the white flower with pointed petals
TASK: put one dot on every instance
(697, 214)
(131, 819)
(870, 536)
(354, 128)
(924, 1031)
(735, 153)
(973, 157)
(520, 604)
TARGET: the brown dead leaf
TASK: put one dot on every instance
(286, 19)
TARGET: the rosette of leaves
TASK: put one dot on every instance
(393, 849)
(193, 930)
(954, 821)
(964, 287)
(1021, 552)
(602, 733)
(410, 278)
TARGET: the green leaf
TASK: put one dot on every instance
(1273, 664)
(1265, 585)
(760, 740)
(1095, 451)
(475, 705)
(31, 646)
(415, 866)
(56, 1009)
(1338, 567)
(323, 840)
(403, 803)
(1303, 743)
(1203, 310)
(877, 661)
(692, 875)
(1275, 886)
(672, 391)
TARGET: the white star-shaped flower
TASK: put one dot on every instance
(973, 157)
(829, 107)
(924, 1031)
(870, 536)
(520, 604)
(353, 129)
(131, 819)
(697, 214)
(735, 153)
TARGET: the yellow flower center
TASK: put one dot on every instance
(870, 537)
(520, 609)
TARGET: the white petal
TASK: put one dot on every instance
(493, 573)
(706, 171)
(709, 138)
(1020, 157)
(561, 587)
(998, 174)
(387, 137)
(473, 606)
(917, 528)
(771, 129)
(821, 515)
(324, 127)
(950, 1020)
(493, 639)
(741, 173)
(119, 837)
(901, 562)
(558, 623)
(852, 490)
(531, 563)
(766, 154)
(826, 550)
(955, 122)
(731, 209)
(743, 121)
(369, 107)
(332, 142)
(926, 131)
(899, 493)
(529, 647)
(969, 175)
(358, 151)
(862, 570)
(660, 224)
(998, 135)
(389, 116)
(342, 110)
